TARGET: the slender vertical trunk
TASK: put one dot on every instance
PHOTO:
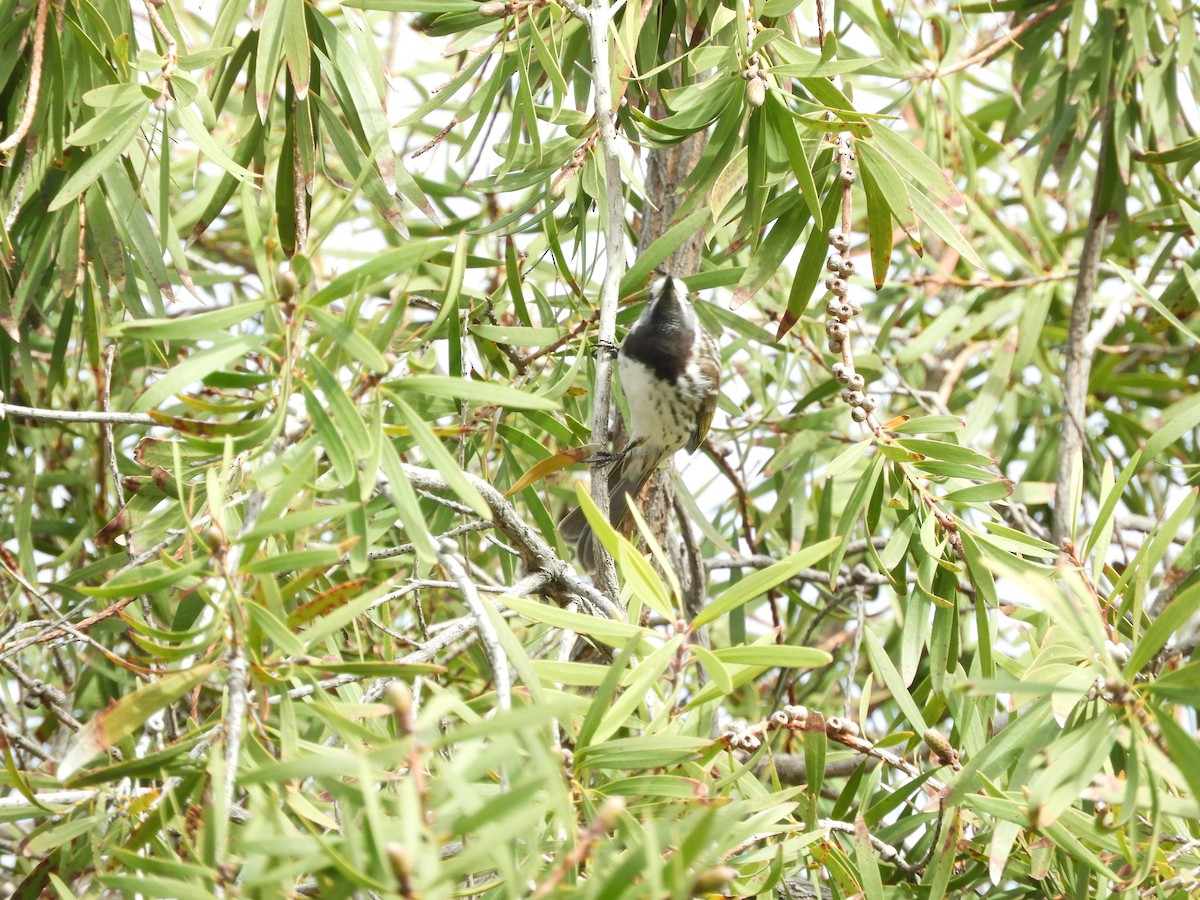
(1078, 368)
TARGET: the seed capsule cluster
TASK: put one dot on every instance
(793, 718)
(839, 311)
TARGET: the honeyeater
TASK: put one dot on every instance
(670, 373)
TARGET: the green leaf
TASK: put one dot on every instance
(882, 666)
(480, 393)
(941, 450)
(607, 631)
(937, 220)
(879, 227)
(641, 680)
(516, 335)
(929, 425)
(344, 334)
(768, 655)
(812, 262)
(864, 487)
(763, 580)
(380, 268)
(126, 715)
(781, 123)
(647, 751)
(438, 456)
(1177, 613)
(919, 168)
(981, 493)
(195, 368)
(146, 579)
(189, 327)
(1178, 419)
(97, 164)
(671, 240)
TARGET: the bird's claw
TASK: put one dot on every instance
(604, 458)
(608, 348)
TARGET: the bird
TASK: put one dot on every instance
(670, 372)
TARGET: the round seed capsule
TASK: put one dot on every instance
(858, 414)
(756, 92)
(839, 241)
(835, 262)
(857, 382)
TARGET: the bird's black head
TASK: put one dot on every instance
(663, 335)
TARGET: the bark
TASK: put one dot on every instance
(1078, 367)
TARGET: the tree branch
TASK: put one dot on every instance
(598, 17)
(484, 627)
(35, 80)
(1078, 368)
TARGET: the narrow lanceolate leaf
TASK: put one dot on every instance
(639, 273)
(784, 127)
(879, 227)
(482, 393)
(882, 665)
(416, 529)
(812, 263)
(380, 268)
(437, 454)
(941, 225)
(270, 52)
(125, 716)
(763, 580)
(97, 164)
(353, 341)
(766, 261)
(551, 464)
(917, 167)
(295, 46)
(1178, 420)
(146, 579)
(201, 326)
(891, 186)
(1179, 611)
(193, 369)
(773, 655)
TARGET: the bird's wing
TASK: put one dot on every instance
(709, 364)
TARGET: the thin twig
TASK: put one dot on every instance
(35, 81)
(598, 17)
(67, 415)
(484, 627)
(106, 427)
(235, 718)
(170, 57)
(46, 695)
(1009, 38)
(562, 584)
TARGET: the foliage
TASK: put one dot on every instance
(277, 630)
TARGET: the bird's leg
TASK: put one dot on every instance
(611, 458)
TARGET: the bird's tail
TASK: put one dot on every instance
(627, 479)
